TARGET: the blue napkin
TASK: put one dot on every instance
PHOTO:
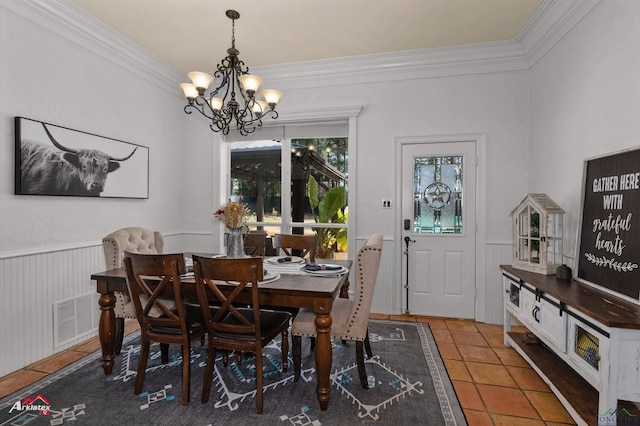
(322, 268)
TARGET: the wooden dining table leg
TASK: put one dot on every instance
(107, 325)
(344, 290)
(323, 352)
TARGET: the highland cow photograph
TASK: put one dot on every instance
(55, 160)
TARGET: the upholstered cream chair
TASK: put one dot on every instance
(350, 318)
(134, 240)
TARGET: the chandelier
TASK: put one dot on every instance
(221, 106)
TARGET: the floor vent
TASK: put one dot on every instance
(74, 318)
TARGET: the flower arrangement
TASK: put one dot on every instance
(234, 214)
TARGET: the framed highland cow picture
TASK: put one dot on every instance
(56, 160)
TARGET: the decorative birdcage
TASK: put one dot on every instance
(537, 234)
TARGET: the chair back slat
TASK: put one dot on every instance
(304, 245)
(211, 274)
(155, 289)
(255, 243)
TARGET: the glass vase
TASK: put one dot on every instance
(235, 243)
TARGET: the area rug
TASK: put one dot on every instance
(408, 385)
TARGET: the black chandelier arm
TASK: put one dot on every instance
(199, 105)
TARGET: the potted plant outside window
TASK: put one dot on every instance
(331, 209)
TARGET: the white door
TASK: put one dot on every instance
(438, 214)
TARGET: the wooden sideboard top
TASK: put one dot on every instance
(606, 308)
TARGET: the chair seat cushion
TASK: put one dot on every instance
(304, 324)
(271, 324)
(191, 328)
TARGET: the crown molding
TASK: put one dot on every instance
(405, 65)
(67, 20)
(552, 21)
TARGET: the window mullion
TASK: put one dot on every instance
(285, 187)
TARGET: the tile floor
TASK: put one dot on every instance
(494, 384)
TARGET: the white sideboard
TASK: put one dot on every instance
(571, 324)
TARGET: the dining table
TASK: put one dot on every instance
(293, 288)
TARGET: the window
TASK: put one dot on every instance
(295, 185)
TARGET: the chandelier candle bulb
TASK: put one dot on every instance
(250, 83)
(272, 97)
(190, 91)
(259, 107)
(216, 104)
(200, 80)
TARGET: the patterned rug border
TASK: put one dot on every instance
(451, 409)
(449, 404)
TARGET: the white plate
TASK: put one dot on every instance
(274, 260)
(269, 277)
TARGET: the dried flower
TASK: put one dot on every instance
(234, 214)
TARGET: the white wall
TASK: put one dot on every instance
(62, 74)
(585, 102)
(494, 105)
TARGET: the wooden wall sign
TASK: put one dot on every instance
(609, 240)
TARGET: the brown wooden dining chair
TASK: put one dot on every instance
(164, 320)
(350, 318)
(236, 328)
(303, 245)
(255, 243)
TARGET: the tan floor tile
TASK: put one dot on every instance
(463, 325)
(500, 420)
(442, 336)
(56, 362)
(478, 354)
(457, 370)
(495, 340)
(527, 379)
(448, 351)
(509, 401)
(477, 418)
(509, 356)
(423, 318)
(548, 406)
(468, 338)
(435, 323)
(490, 374)
(468, 395)
(490, 328)
(130, 326)
(406, 318)
(89, 346)
(17, 380)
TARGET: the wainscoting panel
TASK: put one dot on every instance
(497, 253)
(32, 284)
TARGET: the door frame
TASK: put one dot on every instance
(399, 294)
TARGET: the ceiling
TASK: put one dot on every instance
(195, 34)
